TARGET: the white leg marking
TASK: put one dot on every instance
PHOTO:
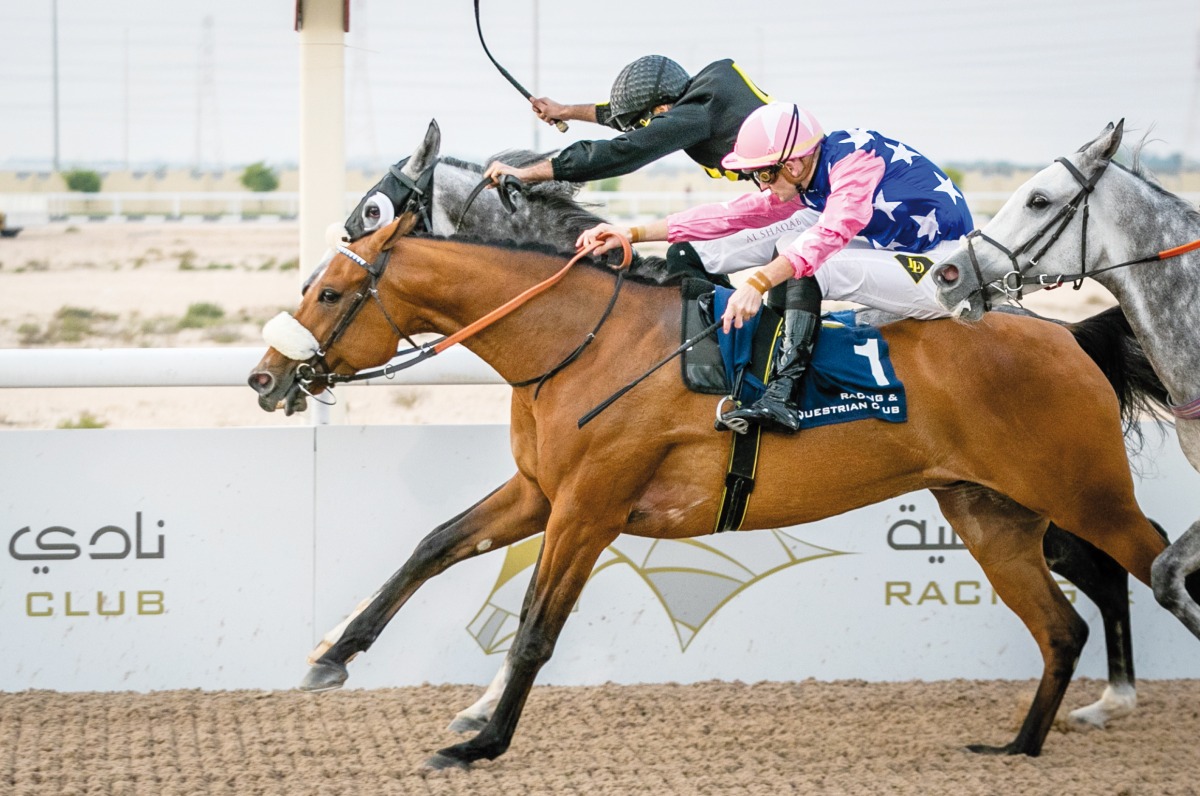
(331, 638)
(481, 711)
(1114, 703)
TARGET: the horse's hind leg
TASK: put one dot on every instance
(1107, 585)
(513, 512)
(1174, 578)
(1006, 540)
(475, 717)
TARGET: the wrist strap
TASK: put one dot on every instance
(760, 282)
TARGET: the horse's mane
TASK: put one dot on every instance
(1139, 169)
(631, 274)
(559, 198)
(556, 196)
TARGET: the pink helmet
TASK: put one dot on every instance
(773, 134)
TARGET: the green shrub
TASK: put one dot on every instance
(259, 177)
(82, 180)
(72, 324)
(200, 316)
(86, 420)
(30, 333)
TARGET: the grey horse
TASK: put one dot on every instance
(448, 195)
(1086, 216)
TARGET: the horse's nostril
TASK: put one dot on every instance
(948, 274)
(262, 382)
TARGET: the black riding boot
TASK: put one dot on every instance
(776, 409)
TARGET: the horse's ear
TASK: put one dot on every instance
(397, 230)
(427, 152)
(1105, 146)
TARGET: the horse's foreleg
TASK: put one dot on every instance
(1107, 585)
(1006, 540)
(513, 512)
(566, 563)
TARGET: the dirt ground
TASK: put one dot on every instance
(132, 284)
(711, 738)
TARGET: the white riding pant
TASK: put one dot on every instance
(886, 280)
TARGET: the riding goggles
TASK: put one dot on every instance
(764, 176)
(633, 120)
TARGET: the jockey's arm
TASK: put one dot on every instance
(548, 111)
(538, 172)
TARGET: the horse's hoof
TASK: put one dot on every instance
(1092, 717)
(441, 762)
(324, 677)
(467, 724)
(1116, 702)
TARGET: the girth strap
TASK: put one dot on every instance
(739, 480)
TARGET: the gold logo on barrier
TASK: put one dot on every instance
(692, 580)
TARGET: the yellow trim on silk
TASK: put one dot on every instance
(758, 92)
(717, 174)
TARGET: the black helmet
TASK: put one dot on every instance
(642, 85)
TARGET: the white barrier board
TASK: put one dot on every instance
(146, 560)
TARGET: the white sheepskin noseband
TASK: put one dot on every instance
(289, 337)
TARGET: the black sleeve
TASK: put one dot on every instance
(678, 128)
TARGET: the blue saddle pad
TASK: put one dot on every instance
(850, 377)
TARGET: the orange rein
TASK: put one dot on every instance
(524, 296)
(1178, 250)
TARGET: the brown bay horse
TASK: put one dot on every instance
(1011, 426)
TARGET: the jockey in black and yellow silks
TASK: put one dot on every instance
(660, 110)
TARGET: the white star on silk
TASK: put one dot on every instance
(859, 137)
(885, 206)
(901, 152)
(946, 186)
(890, 247)
(927, 225)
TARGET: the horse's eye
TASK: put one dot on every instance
(372, 212)
(330, 296)
(1037, 201)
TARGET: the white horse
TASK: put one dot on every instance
(1087, 216)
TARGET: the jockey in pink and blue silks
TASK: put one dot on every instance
(879, 212)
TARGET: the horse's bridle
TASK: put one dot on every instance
(1013, 283)
(306, 374)
(417, 196)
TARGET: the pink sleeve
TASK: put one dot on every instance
(852, 184)
(748, 211)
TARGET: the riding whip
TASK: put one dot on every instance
(559, 123)
(583, 421)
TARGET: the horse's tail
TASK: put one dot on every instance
(1109, 341)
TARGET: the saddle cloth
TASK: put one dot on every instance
(850, 378)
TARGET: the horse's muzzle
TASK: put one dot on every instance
(956, 292)
(278, 392)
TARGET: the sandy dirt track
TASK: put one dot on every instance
(711, 738)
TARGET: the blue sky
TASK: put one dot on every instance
(1022, 81)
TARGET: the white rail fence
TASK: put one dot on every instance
(198, 367)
